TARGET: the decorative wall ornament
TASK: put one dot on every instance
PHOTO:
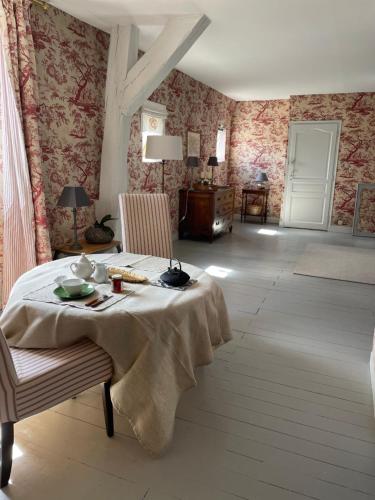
(153, 123)
(193, 144)
(364, 216)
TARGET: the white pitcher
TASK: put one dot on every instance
(100, 274)
(83, 268)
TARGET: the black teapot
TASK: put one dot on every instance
(174, 276)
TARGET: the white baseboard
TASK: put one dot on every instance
(335, 228)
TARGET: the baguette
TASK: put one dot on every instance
(128, 276)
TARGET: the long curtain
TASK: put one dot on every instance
(18, 214)
(24, 219)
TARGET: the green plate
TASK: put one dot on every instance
(62, 294)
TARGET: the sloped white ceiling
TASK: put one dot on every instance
(259, 49)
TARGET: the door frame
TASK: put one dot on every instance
(336, 159)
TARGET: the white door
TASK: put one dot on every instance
(311, 167)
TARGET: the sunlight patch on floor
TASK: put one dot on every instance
(268, 232)
(218, 272)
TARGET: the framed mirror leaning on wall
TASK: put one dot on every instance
(364, 214)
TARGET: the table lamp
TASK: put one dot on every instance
(74, 197)
(261, 178)
(192, 162)
(212, 162)
(165, 147)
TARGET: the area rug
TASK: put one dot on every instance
(338, 263)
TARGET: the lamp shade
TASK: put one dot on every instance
(73, 196)
(165, 147)
(192, 161)
(261, 177)
(212, 161)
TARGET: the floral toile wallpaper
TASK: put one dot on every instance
(71, 68)
(191, 105)
(71, 59)
(356, 162)
(71, 65)
(259, 143)
(260, 136)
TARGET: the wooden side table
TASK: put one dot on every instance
(257, 192)
(88, 248)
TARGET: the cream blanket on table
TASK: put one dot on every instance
(156, 337)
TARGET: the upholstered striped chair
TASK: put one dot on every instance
(146, 224)
(33, 380)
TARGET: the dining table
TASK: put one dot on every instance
(156, 336)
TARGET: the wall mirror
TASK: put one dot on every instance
(364, 215)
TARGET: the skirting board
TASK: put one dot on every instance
(372, 376)
(335, 228)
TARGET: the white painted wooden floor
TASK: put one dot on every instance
(285, 411)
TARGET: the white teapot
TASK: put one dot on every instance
(83, 268)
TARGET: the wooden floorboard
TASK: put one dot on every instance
(284, 413)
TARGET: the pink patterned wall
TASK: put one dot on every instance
(191, 105)
(259, 143)
(71, 60)
(71, 67)
(260, 135)
(356, 161)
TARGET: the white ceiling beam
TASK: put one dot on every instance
(129, 83)
(123, 54)
(178, 35)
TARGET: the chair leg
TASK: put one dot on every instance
(108, 408)
(7, 440)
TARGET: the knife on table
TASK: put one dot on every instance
(92, 302)
(101, 300)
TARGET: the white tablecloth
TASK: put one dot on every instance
(156, 337)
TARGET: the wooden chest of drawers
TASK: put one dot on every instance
(208, 212)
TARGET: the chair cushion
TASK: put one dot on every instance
(146, 224)
(47, 377)
(8, 382)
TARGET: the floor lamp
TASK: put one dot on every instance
(192, 162)
(163, 148)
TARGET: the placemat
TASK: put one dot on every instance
(161, 284)
(153, 264)
(45, 294)
(122, 259)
